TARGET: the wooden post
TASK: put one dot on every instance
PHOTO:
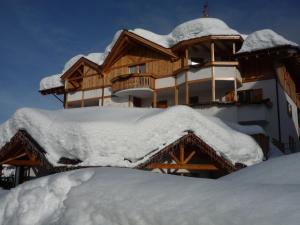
(154, 99)
(129, 101)
(235, 85)
(186, 57)
(213, 82)
(65, 100)
(82, 99)
(102, 98)
(181, 159)
(187, 92)
(233, 48)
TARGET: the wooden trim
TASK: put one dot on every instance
(191, 167)
(154, 99)
(187, 92)
(13, 158)
(199, 81)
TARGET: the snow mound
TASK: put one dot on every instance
(124, 196)
(200, 28)
(97, 58)
(51, 82)
(264, 39)
(125, 137)
(280, 170)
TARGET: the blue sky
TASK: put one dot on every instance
(37, 36)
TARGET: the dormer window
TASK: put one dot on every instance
(137, 69)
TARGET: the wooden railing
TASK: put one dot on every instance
(132, 81)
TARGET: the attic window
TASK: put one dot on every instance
(137, 69)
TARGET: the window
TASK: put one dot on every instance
(289, 109)
(162, 104)
(250, 96)
(194, 100)
(291, 144)
(137, 69)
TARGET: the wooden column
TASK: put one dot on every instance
(233, 48)
(187, 92)
(65, 100)
(154, 99)
(176, 92)
(235, 84)
(213, 82)
(102, 97)
(82, 99)
(186, 57)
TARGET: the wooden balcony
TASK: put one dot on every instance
(133, 81)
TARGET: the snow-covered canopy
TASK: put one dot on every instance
(264, 39)
(122, 196)
(108, 136)
(51, 82)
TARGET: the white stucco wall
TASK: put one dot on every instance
(116, 102)
(198, 74)
(180, 78)
(165, 82)
(74, 96)
(93, 94)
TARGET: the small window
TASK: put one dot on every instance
(251, 96)
(142, 68)
(132, 69)
(194, 100)
(137, 69)
(289, 109)
(162, 104)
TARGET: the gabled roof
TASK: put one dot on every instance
(127, 37)
(80, 62)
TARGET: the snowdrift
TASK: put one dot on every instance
(101, 136)
(280, 170)
(125, 196)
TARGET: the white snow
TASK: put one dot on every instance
(108, 136)
(280, 170)
(123, 196)
(264, 39)
(97, 58)
(8, 171)
(51, 82)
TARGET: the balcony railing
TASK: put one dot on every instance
(132, 81)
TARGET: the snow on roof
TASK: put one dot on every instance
(125, 196)
(280, 170)
(97, 58)
(200, 28)
(264, 39)
(51, 82)
(192, 29)
(108, 136)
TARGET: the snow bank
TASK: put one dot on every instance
(124, 136)
(280, 170)
(124, 196)
(51, 82)
(264, 39)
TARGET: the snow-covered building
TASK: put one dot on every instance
(247, 79)
(202, 63)
(41, 142)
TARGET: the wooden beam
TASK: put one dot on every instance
(174, 158)
(200, 167)
(181, 146)
(13, 158)
(24, 163)
(189, 157)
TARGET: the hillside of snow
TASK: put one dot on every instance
(280, 170)
(125, 137)
(125, 196)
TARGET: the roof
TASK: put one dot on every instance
(124, 136)
(264, 39)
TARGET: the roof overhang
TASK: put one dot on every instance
(210, 38)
